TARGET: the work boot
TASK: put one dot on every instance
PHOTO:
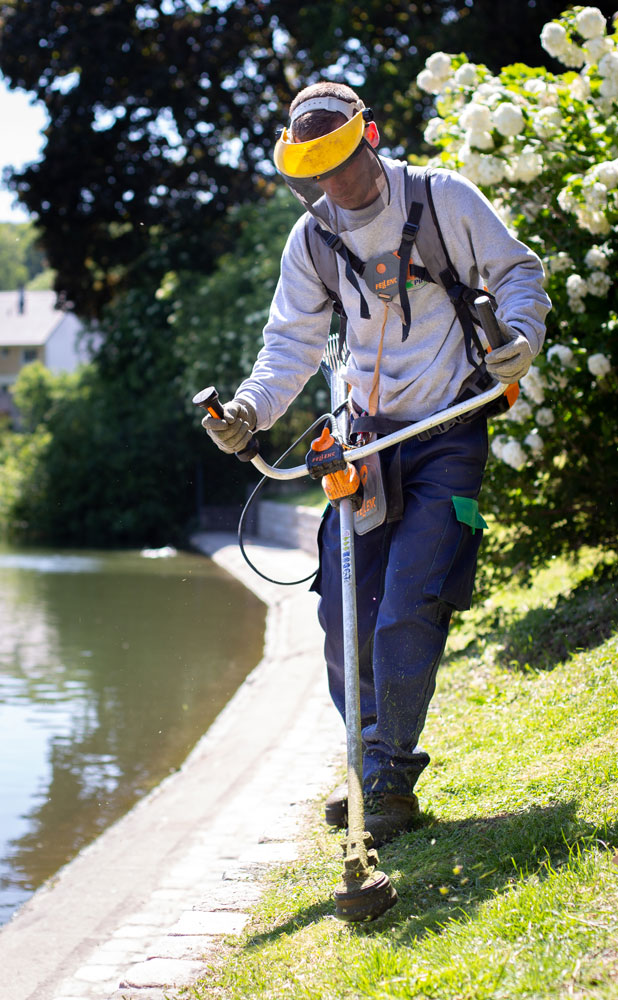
(336, 807)
(387, 816)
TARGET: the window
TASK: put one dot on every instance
(29, 354)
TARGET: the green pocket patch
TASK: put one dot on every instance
(467, 512)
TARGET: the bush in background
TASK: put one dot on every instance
(544, 148)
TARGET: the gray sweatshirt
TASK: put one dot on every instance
(424, 373)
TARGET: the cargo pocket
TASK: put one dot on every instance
(452, 572)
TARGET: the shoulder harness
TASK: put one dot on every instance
(323, 246)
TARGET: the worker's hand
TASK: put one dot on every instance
(510, 362)
(234, 432)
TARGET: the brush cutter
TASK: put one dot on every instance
(364, 892)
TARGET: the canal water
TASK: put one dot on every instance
(112, 666)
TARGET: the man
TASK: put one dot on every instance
(408, 359)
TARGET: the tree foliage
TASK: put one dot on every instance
(163, 114)
(217, 319)
(101, 461)
(145, 102)
(21, 259)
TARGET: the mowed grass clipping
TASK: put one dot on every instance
(510, 888)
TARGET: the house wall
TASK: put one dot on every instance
(62, 351)
(12, 360)
(31, 329)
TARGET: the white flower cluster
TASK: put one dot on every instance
(556, 42)
(534, 385)
(438, 69)
(599, 365)
(558, 262)
(509, 450)
(590, 24)
(493, 118)
(608, 70)
(591, 195)
(563, 354)
(598, 282)
(502, 132)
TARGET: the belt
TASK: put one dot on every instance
(362, 423)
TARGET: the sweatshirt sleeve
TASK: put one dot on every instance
(485, 253)
(294, 336)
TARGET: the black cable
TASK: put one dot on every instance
(281, 583)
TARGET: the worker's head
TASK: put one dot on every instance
(329, 148)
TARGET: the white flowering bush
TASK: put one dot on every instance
(544, 148)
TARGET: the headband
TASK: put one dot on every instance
(347, 108)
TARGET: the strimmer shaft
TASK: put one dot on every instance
(356, 816)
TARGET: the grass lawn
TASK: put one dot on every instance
(510, 887)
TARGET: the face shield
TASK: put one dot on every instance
(337, 177)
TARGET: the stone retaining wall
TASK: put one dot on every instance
(289, 525)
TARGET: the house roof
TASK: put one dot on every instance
(34, 325)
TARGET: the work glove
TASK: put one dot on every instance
(234, 432)
(510, 362)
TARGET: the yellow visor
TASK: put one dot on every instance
(318, 156)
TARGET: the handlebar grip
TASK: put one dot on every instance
(208, 399)
(487, 316)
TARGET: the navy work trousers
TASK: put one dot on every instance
(410, 575)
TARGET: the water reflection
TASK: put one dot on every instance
(111, 668)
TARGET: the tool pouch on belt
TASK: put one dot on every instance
(373, 510)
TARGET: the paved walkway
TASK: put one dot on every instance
(140, 910)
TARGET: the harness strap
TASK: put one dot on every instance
(374, 393)
(408, 237)
(352, 264)
(457, 294)
(343, 326)
(433, 250)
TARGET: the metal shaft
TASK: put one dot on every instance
(356, 816)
